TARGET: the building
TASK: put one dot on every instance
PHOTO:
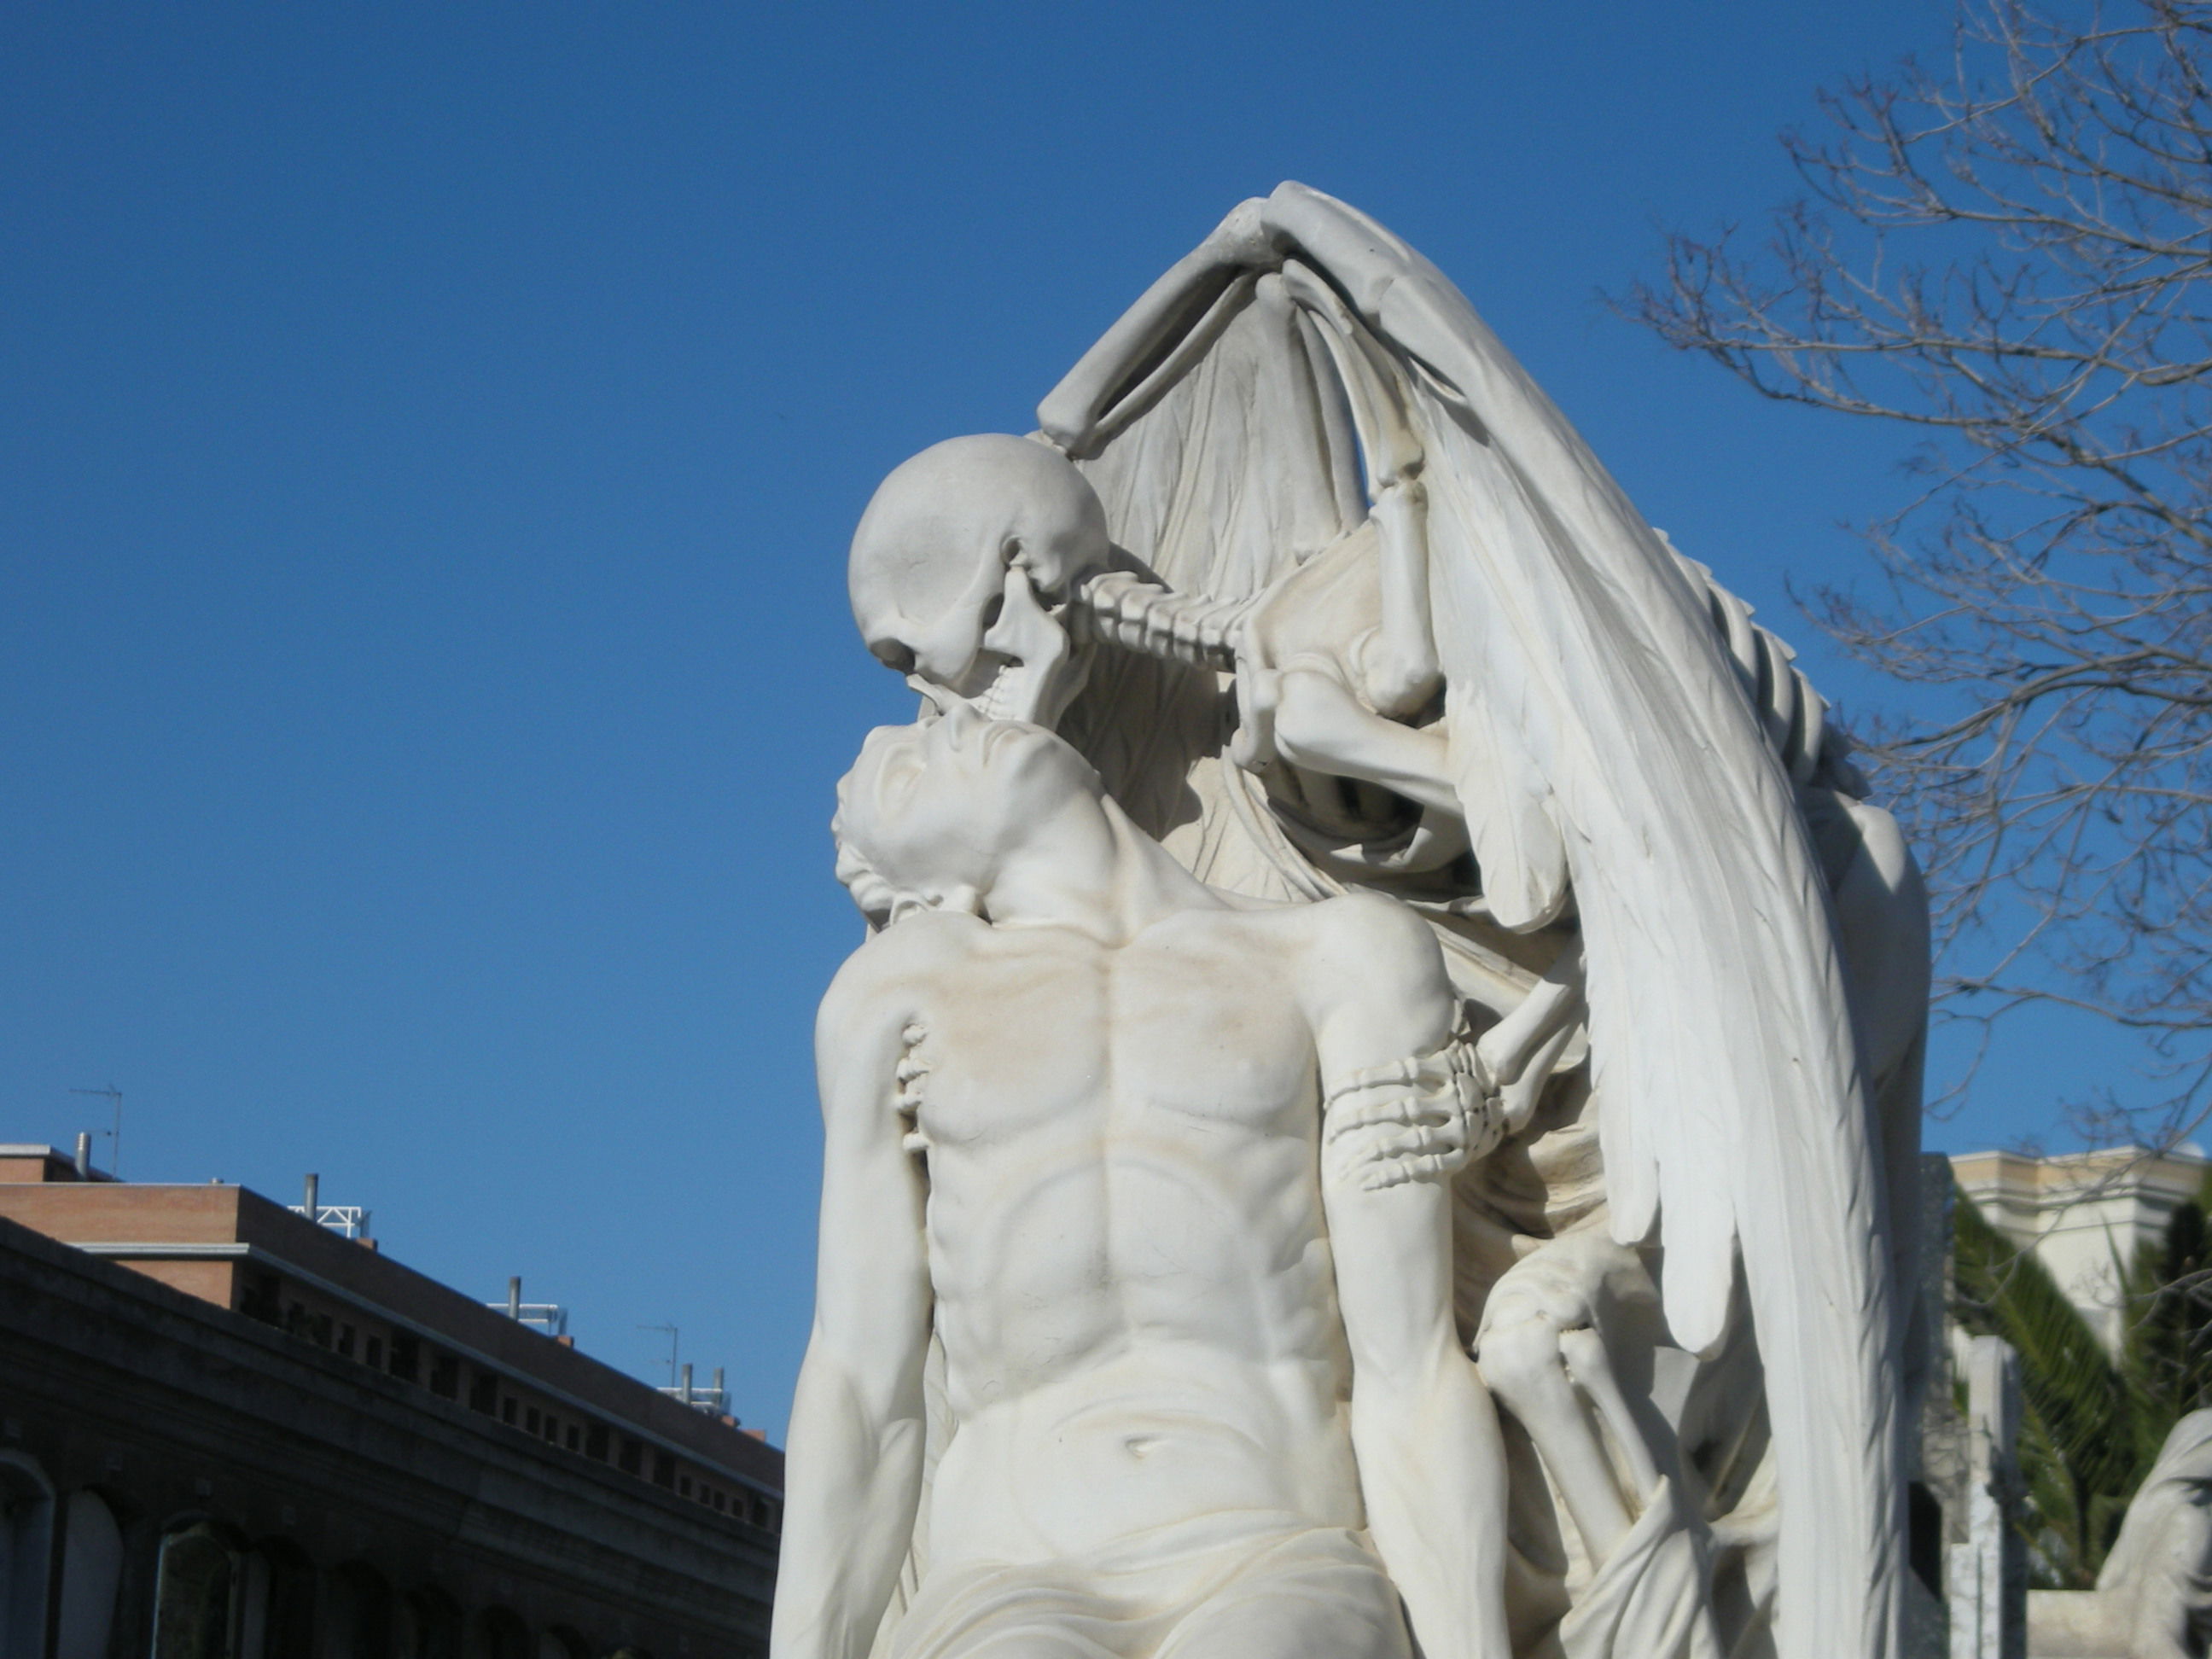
(2085, 1214)
(228, 1432)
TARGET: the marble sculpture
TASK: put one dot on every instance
(1367, 1118)
(2153, 1594)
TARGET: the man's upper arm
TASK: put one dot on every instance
(1383, 997)
(871, 1291)
(1378, 985)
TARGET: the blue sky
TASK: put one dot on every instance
(429, 439)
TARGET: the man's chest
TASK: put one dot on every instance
(1059, 1036)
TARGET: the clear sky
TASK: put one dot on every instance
(429, 434)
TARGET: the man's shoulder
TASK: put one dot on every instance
(1344, 920)
(1351, 938)
(1373, 918)
(903, 959)
(1371, 946)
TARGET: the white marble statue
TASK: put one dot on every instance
(1139, 1326)
(2153, 1596)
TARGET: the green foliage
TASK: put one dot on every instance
(2075, 1440)
(2169, 1349)
(2091, 1428)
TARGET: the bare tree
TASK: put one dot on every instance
(2011, 254)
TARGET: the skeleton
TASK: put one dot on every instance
(984, 570)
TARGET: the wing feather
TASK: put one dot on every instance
(1734, 1116)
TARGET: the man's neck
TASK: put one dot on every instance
(1100, 875)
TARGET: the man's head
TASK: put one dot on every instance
(930, 816)
(958, 557)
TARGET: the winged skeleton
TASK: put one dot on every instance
(1367, 612)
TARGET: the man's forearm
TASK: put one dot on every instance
(1432, 1470)
(854, 1480)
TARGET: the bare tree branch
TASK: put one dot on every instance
(2009, 255)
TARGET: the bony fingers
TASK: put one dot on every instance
(1411, 1161)
(1399, 1110)
(1422, 1143)
(1401, 1172)
(1353, 1119)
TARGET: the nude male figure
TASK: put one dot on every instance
(1162, 1171)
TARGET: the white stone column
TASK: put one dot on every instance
(1985, 1572)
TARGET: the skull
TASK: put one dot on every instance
(963, 558)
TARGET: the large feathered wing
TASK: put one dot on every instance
(1602, 748)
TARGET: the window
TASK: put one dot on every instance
(684, 1487)
(595, 1441)
(498, 1634)
(437, 1620)
(359, 1622)
(633, 1455)
(570, 1438)
(263, 1297)
(92, 1571)
(279, 1594)
(484, 1392)
(345, 1341)
(195, 1587)
(406, 1357)
(664, 1469)
(507, 1409)
(26, 1531)
(375, 1353)
(530, 1420)
(445, 1376)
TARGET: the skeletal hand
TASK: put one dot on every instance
(1244, 238)
(1415, 1120)
(1521, 1050)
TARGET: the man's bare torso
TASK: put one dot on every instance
(1132, 1280)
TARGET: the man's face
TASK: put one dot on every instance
(938, 808)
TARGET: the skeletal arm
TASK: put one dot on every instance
(1153, 341)
(1398, 668)
(855, 1457)
(1340, 722)
(1431, 1464)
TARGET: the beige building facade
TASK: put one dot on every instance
(228, 1432)
(2084, 1214)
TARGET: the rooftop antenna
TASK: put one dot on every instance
(546, 1318)
(115, 1135)
(672, 1334)
(346, 1220)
